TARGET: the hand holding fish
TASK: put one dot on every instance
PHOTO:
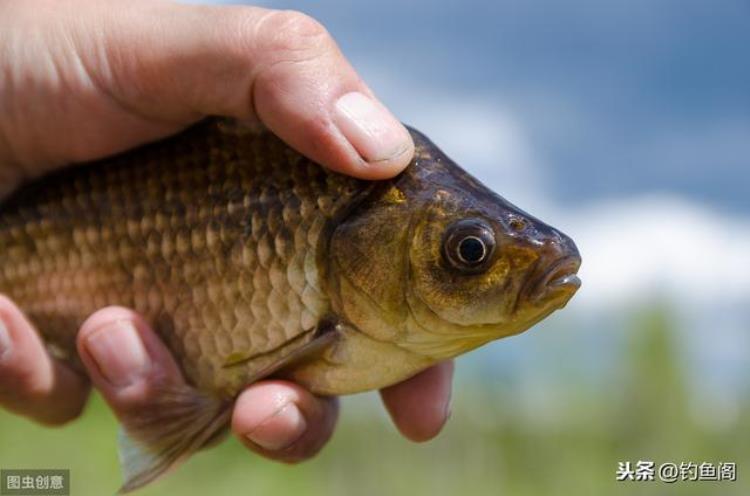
(82, 80)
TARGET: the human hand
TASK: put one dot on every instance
(80, 80)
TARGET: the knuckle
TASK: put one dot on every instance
(293, 36)
(300, 24)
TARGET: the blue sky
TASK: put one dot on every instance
(615, 98)
(626, 123)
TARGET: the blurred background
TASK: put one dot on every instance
(627, 124)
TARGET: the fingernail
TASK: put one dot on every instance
(118, 352)
(6, 345)
(370, 127)
(280, 430)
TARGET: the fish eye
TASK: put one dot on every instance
(471, 250)
(468, 245)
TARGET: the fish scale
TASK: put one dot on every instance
(252, 261)
(176, 225)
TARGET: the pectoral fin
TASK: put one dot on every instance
(323, 338)
(184, 419)
(292, 351)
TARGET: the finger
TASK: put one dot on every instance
(279, 66)
(129, 365)
(126, 360)
(283, 421)
(32, 383)
(420, 406)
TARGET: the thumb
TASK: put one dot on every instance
(178, 63)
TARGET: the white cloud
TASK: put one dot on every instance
(634, 249)
(657, 245)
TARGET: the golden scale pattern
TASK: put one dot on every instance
(215, 236)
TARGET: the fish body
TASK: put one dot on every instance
(250, 260)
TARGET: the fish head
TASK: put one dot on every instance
(440, 264)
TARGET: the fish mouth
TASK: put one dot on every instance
(559, 282)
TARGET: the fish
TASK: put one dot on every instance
(251, 261)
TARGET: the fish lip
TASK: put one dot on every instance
(561, 277)
(571, 280)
